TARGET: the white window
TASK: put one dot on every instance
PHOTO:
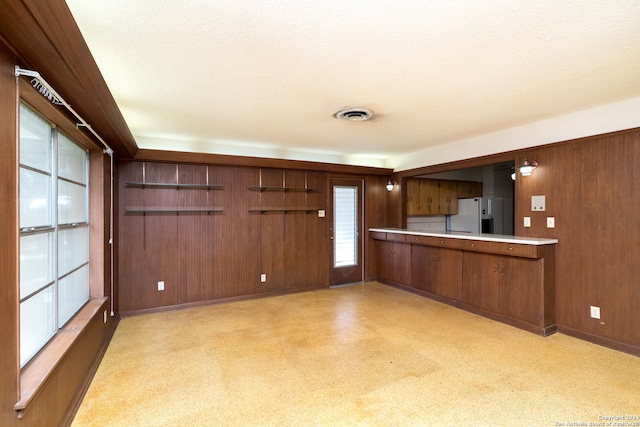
(54, 237)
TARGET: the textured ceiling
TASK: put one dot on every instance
(264, 78)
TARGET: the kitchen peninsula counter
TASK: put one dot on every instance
(469, 236)
(506, 278)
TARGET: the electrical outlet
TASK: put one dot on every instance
(551, 222)
(527, 221)
(321, 213)
(595, 312)
(161, 285)
(263, 278)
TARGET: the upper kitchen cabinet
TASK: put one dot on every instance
(436, 196)
(429, 197)
(423, 197)
(413, 196)
(448, 197)
(469, 189)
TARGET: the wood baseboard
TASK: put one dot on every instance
(603, 341)
(216, 301)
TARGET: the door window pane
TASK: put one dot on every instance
(345, 203)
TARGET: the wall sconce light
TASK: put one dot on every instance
(527, 167)
(390, 185)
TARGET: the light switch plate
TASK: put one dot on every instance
(551, 222)
(161, 285)
(527, 221)
(595, 312)
(538, 203)
(321, 213)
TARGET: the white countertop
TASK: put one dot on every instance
(472, 236)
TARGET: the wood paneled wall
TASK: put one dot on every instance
(379, 212)
(202, 256)
(592, 189)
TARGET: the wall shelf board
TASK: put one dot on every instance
(281, 210)
(176, 211)
(284, 189)
(176, 186)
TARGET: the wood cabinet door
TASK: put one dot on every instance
(506, 285)
(448, 198)
(385, 262)
(481, 280)
(469, 189)
(446, 275)
(521, 289)
(429, 197)
(401, 255)
(437, 270)
(394, 262)
(413, 197)
(421, 266)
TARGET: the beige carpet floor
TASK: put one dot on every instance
(362, 355)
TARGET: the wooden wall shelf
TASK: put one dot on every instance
(176, 186)
(176, 211)
(282, 210)
(284, 189)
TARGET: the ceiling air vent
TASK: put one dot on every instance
(354, 114)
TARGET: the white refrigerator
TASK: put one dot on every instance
(478, 215)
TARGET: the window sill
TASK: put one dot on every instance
(36, 373)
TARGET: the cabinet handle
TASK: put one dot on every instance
(495, 268)
(510, 248)
(501, 268)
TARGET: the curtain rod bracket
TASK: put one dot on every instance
(23, 72)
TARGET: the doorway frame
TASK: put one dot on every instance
(361, 181)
